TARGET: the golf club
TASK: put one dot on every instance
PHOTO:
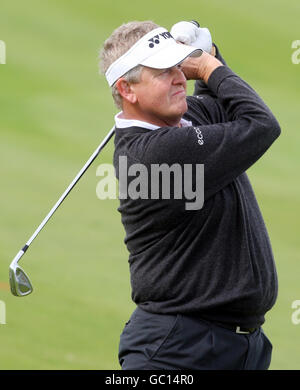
(19, 282)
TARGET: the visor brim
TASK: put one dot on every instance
(171, 56)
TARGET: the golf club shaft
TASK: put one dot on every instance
(65, 194)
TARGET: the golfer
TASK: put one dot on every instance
(202, 273)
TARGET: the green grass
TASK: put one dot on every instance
(55, 110)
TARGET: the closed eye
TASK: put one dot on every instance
(169, 70)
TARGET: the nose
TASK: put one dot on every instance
(179, 77)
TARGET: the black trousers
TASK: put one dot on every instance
(186, 342)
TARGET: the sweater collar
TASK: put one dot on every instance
(122, 123)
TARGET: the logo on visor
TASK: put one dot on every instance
(156, 39)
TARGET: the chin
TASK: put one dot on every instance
(184, 109)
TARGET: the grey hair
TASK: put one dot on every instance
(118, 44)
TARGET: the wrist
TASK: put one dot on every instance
(196, 68)
(207, 64)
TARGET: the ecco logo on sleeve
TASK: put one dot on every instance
(199, 135)
(156, 39)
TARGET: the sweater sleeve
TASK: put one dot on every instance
(226, 149)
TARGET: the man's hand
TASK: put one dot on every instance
(191, 34)
(195, 68)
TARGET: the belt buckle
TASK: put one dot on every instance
(238, 330)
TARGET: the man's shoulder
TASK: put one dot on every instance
(204, 109)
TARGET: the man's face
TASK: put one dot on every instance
(161, 95)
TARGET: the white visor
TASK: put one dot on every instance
(157, 49)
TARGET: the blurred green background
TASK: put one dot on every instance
(54, 111)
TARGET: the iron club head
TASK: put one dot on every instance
(19, 282)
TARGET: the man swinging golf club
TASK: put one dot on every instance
(202, 279)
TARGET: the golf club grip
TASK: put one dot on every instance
(70, 187)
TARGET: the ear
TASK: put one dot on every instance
(126, 91)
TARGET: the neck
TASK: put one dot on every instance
(130, 113)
